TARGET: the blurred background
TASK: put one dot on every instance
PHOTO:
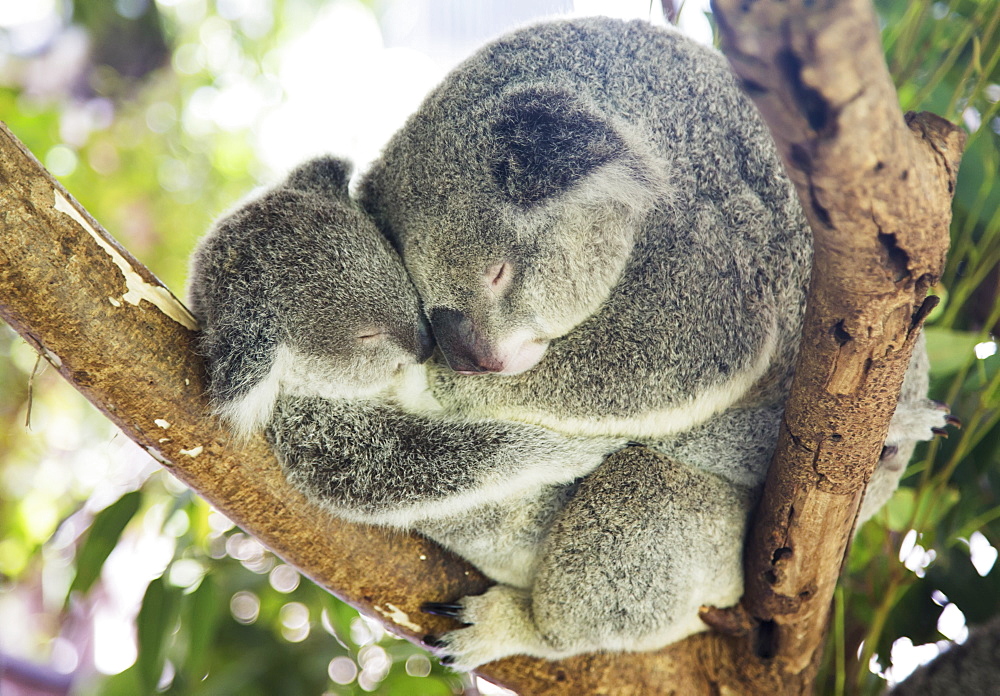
(159, 114)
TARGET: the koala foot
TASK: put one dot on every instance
(498, 623)
(922, 421)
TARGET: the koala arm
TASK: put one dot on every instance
(373, 462)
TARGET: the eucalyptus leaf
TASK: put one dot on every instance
(154, 626)
(103, 536)
(949, 350)
(204, 610)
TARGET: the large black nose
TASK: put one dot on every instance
(463, 347)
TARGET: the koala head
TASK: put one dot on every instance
(515, 215)
(298, 292)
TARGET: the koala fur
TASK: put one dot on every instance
(599, 229)
(310, 324)
(262, 279)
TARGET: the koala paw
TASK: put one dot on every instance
(497, 624)
(915, 422)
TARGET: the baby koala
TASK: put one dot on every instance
(299, 295)
(310, 325)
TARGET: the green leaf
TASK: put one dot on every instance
(932, 507)
(123, 684)
(204, 609)
(900, 508)
(105, 531)
(949, 350)
(154, 625)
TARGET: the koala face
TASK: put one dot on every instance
(351, 314)
(514, 226)
(298, 292)
(498, 291)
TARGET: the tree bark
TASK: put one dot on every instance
(877, 195)
(876, 188)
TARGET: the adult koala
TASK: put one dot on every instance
(600, 230)
(594, 213)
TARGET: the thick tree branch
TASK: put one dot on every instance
(877, 191)
(115, 333)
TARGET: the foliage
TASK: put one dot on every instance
(82, 510)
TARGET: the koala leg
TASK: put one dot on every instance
(913, 421)
(916, 418)
(644, 542)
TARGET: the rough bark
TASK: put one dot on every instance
(877, 191)
(877, 195)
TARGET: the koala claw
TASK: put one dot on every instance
(497, 624)
(953, 421)
(432, 641)
(452, 611)
(922, 421)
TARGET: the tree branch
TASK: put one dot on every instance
(124, 341)
(877, 191)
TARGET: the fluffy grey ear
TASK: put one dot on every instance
(325, 175)
(545, 140)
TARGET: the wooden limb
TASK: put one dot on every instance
(124, 341)
(877, 191)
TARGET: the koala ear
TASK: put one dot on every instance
(545, 140)
(325, 175)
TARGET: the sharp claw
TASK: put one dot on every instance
(953, 420)
(447, 660)
(940, 405)
(888, 451)
(434, 642)
(940, 431)
(441, 609)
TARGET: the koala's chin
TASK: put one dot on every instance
(518, 353)
(525, 356)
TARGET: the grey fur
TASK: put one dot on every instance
(593, 209)
(653, 261)
(299, 269)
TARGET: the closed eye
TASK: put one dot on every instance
(499, 276)
(371, 336)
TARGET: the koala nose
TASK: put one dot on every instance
(463, 347)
